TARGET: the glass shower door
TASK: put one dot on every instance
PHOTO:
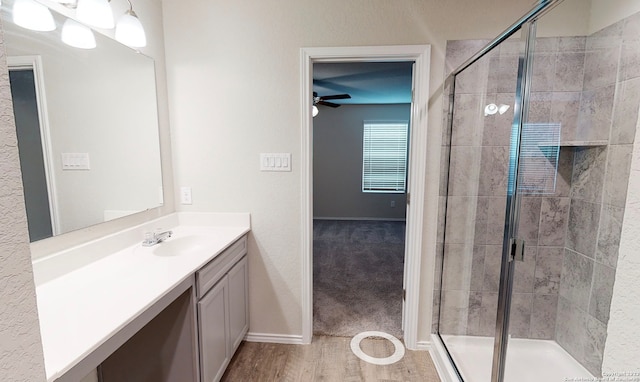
(477, 153)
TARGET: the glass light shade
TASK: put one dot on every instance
(315, 110)
(503, 109)
(129, 31)
(77, 35)
(32, 15)
(490, 109)
(96, 13)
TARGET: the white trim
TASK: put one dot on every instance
(274, 338)
(423, 346)
(420, 54)
(35, 63)
(360, 219)
(441, 361)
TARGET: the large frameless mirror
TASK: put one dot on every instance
(87, 128)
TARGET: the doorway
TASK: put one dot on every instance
(415, 179)
(32, 132)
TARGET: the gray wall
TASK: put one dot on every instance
(337, 163)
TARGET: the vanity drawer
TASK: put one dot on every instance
(211, 273)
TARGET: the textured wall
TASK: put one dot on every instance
(20, 346)
(337, 161)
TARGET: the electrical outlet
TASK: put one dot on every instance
(185, 195)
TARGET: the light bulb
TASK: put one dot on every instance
(315, 110)
(490, 109)
(129, 30)
(96, 13)
(77, 35)
(32, 15)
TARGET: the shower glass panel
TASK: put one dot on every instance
(475, 198)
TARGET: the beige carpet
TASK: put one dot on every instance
(357, 277)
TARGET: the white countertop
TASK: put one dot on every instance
(83, 308)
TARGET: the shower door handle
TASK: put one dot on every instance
(517, 249)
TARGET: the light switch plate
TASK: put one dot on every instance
(275, 162)
(75, 161)
(185, 195)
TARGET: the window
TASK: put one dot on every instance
(384, 157)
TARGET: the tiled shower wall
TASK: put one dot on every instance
(563, 289)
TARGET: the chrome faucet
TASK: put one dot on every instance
(153, 238)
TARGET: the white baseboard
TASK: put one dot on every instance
(359, 219)
(423, 345)
(291, 339)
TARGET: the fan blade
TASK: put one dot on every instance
(330, 104)
(336, 96)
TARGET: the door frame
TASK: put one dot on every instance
(421, 55)
(34, 63)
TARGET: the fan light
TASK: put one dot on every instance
(77, 35)
(129, 30)
(32, 15)
(315, 110)
(96, 13)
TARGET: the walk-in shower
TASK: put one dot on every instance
(536, 161)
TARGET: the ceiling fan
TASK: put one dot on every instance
(317, 100)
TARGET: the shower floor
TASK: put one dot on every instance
(527, 360)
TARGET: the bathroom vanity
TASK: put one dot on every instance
(175, 311)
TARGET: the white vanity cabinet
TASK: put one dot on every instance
(222, 309)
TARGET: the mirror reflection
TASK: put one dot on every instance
(87, 128)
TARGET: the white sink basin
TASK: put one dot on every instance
(176, 246)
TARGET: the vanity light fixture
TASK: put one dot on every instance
(129, 30)
(96, 13)
(77, 35)
(32, 15)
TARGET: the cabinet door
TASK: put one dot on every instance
(214, 329)
(238, 304)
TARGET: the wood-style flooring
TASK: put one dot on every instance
(326, 359)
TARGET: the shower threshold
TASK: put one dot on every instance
(527, 360)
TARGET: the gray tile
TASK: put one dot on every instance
(523, 279)
(437, 279)
(593, 351)
(460, 224)
(569, 72)
(582, 231)
(543, 316)
(477, 268)
(496, 210)
(473, 80)
(492, 263)
(544, 65)
(601, 292)
(617, 177)
(630, 57)
(467, 120)
(529, 219)
(570, 324)
(503, 73)
(601, 66)
(565, 109)
(454, 312)
(458, 51)
(554, 215)
(464, 170)
(547, 44)
(609, 235)
(520, 320)
(540, 106)
(565, 172)
(548, 270)
(481, 220)
(495, 171)
(625, 117)
(572, 44)
(594, 118)
(575, 282)
(475, 311)
(488, 313)
(497, 127)
(588, 173)
(456, 274)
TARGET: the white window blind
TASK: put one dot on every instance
(539, 153)
(384, 157)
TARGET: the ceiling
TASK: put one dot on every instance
(366, 82)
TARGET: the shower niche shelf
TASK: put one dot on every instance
(583, 143)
